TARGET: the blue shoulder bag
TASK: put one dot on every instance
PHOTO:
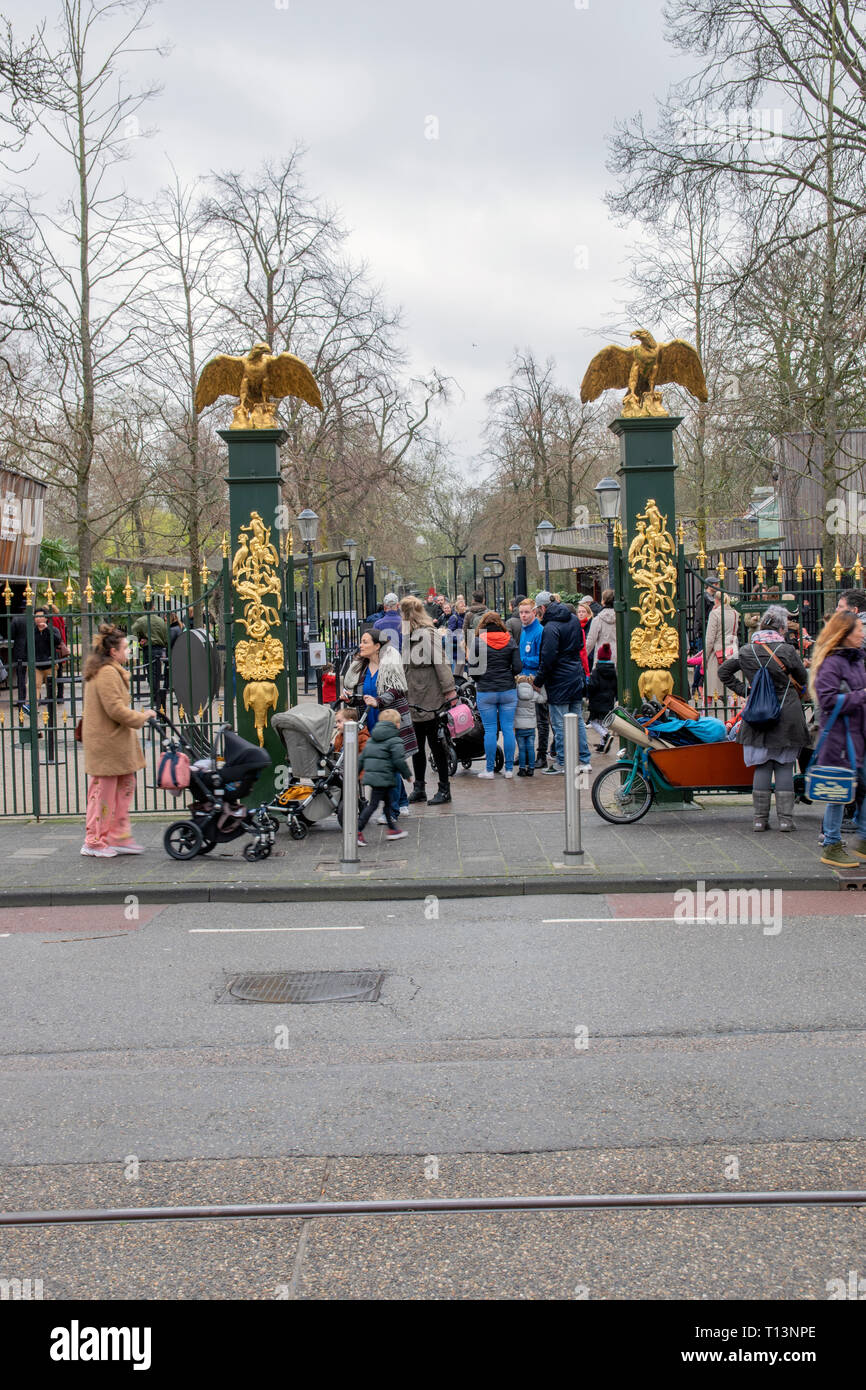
(832, 783)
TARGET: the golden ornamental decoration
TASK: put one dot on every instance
(49, 593)
(148, 591)
(640, 370)
(127, 590)
(780, 570)
(88, 591)
(69, 591)
(259, 380)
(858, 568)
(7, 594)
(818, 570)
(654, 643)
(799, 571)
(260, 656)
(837, 568)
(759, 571)
(741, 574)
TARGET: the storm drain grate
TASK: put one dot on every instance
(306, 987)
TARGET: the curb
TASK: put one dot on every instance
(351, 889)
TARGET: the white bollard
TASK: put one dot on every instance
(573, 853)
(349, 863)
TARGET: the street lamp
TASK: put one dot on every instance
(487, 571)
(515, 551)
(609, 496)
(544, 534)
(308, 525)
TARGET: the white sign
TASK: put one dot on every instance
(318, 654)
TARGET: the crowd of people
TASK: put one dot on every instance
(528, 672)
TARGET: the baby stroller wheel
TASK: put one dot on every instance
(297, 829)
(183, 840)
(257, 850)
(499, 760)
(467, 764)
(452, 762)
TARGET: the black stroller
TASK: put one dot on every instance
(221, 774)
(466, 749)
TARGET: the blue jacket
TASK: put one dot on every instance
(391, 623)
(529, 646)
(560, 668)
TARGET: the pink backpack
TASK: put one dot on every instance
(173, 773)
(461, 720)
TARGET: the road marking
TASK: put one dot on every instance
(550, 921)
(5, 933)
(200, 931)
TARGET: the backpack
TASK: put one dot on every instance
(173, 773)
(763, 707)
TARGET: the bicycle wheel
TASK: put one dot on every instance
(621, 794)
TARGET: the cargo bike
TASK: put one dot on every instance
(623, 793)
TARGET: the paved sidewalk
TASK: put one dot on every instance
(449, 851)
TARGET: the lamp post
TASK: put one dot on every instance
(349, 626)
(515, 551)
(544, 531)
(487, 573)
(308, 525)
(609, 496)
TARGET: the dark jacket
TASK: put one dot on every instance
(383, 757)
(471, 616)
(601, 689)
(45, 644)
(19, 637)
(560, 665)
(845, 664)
(790, 730)
(455, 622)
(514, 625)
(493, 660)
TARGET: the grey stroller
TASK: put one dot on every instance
(315, 789)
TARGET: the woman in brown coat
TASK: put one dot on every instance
(431, 689)
(112, 753)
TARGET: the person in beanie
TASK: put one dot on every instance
(528, 699)
(601, 693)
(382, 760)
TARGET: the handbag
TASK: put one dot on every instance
(837, 784)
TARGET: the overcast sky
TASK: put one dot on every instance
(473, 233)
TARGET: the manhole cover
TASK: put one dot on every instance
(307, 987)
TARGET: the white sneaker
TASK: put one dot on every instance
(508, 774)
(486, 774)
(382, 819)
(107, 853)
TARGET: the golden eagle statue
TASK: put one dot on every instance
(641, 369)
(258, 380)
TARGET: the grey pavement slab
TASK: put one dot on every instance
(446, 851)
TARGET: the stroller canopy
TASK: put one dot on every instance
(242, 757)
(306, 732)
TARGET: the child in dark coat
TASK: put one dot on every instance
(601, 693)
(382, 759)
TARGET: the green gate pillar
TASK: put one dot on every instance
(647, 474)
(259, 672)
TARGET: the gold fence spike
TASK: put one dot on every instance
(166, 589)
(88, 591)
(225, 545)
(28, 594)
(204, 573)
(780, 570)
(20, 715)
(200, 714)
(7, 594)
(837, 568)
(148, 591)
(45, 717)
(2, 719)
(127, 590)
(65, 719)
(184, 585)
(49, 593)
(722, 569)
(858, 569)
(818, 569)
(741, 574)
(69, 591)
(759, 571)
(180, 712)
(108, 591)
(681, 533)
(799, 571)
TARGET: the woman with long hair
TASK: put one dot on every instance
(376, 680)
(721, 645)
(837, 668)
(771, 752)
(494, 665)
(431, 691)
(112, 753)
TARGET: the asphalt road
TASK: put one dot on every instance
(539, 1044)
